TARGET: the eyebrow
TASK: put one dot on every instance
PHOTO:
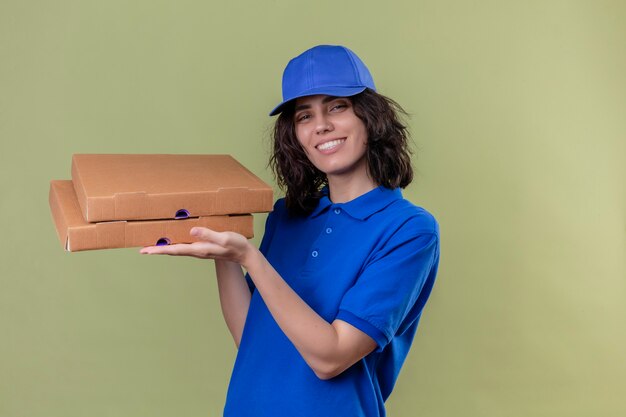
(324, 101)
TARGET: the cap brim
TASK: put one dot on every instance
(329, 91)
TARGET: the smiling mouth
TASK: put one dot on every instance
(330, 144)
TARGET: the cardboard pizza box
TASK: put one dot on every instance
(76, 234)
(163, 186)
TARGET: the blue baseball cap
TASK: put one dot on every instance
(324, 69)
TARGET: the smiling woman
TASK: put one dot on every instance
(335, 141)
(327, 312)
(387, 156)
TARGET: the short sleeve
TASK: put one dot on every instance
(385, 295)
(268, 234)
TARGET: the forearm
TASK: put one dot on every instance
(234, 296)
(329, 349)
(320, 343)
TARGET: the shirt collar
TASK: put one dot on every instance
(364, 205)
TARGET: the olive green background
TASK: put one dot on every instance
(518, 113)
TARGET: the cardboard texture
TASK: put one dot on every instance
(76, 234)
(147, 187)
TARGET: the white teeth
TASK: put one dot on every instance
(329, 145)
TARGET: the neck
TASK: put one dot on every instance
(346, 188)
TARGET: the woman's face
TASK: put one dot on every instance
(333, 137)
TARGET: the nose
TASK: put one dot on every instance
(323, 125)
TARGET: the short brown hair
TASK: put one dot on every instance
(388, 155)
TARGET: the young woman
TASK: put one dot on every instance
(327, 311)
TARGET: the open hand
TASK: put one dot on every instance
(229, 246)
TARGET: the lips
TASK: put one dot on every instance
(329, 145)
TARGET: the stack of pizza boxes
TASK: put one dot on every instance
(125, 200)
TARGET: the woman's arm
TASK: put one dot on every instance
(328, 348)
(234, 296)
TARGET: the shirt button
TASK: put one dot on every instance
(314, 254)
(337, 211)
(329, 230)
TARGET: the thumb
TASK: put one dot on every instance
(203, 233)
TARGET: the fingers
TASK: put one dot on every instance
(202, 233)
(211, 245)
(205, 250)
(178, 249)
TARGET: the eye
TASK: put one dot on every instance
(302, 117)
(338, 107)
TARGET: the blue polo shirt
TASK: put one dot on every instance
(370, 262)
